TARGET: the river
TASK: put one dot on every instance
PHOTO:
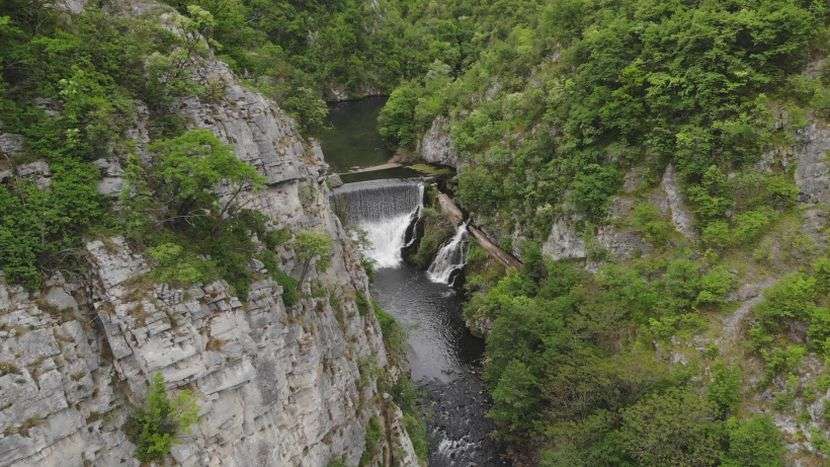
(444, 357)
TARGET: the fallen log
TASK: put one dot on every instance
(454, 214)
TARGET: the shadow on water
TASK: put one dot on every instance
(352, 141)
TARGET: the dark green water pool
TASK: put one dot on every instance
(353, 141)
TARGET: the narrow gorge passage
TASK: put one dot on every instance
(444, 357)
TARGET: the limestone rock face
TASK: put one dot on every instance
(262, 134)
(277, 385)
(436, 146)
(675, 204)
(812, 176)
(564, 242)
(10, 144)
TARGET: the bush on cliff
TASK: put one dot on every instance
(155, 426)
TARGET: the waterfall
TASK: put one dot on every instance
(383, 210)
(450, 258)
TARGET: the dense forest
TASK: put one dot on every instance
(561, 111)
(552, 117)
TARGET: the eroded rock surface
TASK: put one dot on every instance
(277, 385)
(436, 146)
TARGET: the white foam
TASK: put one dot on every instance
(450, 258)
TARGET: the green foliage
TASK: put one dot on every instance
(571, 93)
(716, 234)
(190, 167)
(155, 427)
(724, 391)
(437, 230)
(371, 441)
(593, 187)
(715, 285)
(515, 397)
(395, 121)
(176, 266)
(179, 192)
(753, 442)
(290, 286)
(821, 268)
(93, 117)
(750, 225)
(362, 303)
(394, 336)
(312, 244)
(41, 229)
(407, 396)
(791, 297)
(417, 431)
(673, 428)
(648, 220)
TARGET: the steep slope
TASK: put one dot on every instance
(277, 383)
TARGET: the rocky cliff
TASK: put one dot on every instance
(276, 384)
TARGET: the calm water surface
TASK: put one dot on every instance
(352, 141)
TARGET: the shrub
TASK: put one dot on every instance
(42, 229)
(396, 119)
(715, 285)
(783, 359)
(189, 169)
(791, 297)
(515, 397)
(394, 336)
(362, 303)
(176, 266)
(649, 221)
(290, 286)
(753, 442)
(417, 430)
(821, 272)
(155, 427)
(749, 225)
(593, 187)
(725, 389)
(674, 428)
(371, 440)
(312, 244)
(716, 234)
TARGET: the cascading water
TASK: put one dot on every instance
(450, 258)
(383, 210)
(444, 358)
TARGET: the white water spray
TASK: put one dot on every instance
(385, 239)
(450, 258)
(383, 210)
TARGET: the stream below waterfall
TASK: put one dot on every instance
(444, 357)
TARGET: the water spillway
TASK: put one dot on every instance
(382, 210)
(450, 259)
(444, 358)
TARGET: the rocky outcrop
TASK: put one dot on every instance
(564, 242)
(812, 176)
(276, 384)
(436, 146)
(261, 133)
(10, 144)
(673, 203)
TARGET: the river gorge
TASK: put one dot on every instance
(445, 359)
